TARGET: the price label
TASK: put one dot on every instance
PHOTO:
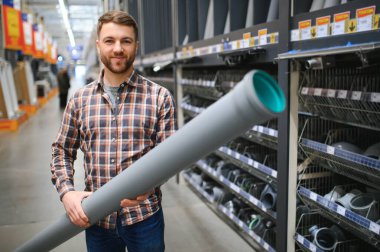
(374, 227)
(331, 93)
(295, 35)
(241, 224)
(254, 201)
(306, 33)
(356, 95)
(231, 215)
(234, 45)
(313, 248)
(214, 173)
(271, 132)
(313, 196)
(237, 156)
(229, 152)
(274, 174)
(338, 28)
(304, 90)
(342, 94)
(235, 187)
(250, 162)
(266, 246)
(375, 97)
(261, 129)
(341, 210)
(256, 164)
(323, 30)
(251, 198)
(365, 18)
(318, 91)
(330, 150)
(300, 239)
(262, 34)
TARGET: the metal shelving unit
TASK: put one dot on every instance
(336, 102)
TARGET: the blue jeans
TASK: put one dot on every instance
(144, 236)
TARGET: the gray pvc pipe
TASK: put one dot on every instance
(273, 11)
(317, 5)
(256, 99)
(330, 3)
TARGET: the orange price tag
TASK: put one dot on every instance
(305, 28)
(365, 18)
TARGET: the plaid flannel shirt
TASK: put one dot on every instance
(112, 139)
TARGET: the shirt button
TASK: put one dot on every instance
(112, 160)
(113, 140)
(113, 118)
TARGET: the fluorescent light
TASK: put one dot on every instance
(66, 22)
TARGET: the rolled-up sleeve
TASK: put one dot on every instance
(64, 151)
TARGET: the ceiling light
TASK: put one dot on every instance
(66, 22)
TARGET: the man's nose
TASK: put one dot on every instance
(117, 47)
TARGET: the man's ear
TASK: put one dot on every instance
(97, 46)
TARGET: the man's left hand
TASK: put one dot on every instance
(136, 201)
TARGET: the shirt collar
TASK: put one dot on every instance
(132, 80)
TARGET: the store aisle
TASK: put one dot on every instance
(29, 202)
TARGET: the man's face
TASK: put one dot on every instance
(117, 47)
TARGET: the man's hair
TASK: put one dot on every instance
(118, 17)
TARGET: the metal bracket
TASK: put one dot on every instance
(236, 57)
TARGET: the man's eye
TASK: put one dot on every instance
(108, 41)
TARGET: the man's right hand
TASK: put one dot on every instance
(72, 202)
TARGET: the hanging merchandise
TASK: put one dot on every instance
(13, 30)
(273, 11)
(26, 90)
(249, 21)
(209, 29)
(317, 5)
(330, 3)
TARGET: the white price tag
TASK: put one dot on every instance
(356, 95)
(254, 201)
(313, 196)
(274, 174)
(256, 164)
(229, 151)
(341, 210)
(241, 224)
(266, 246)
(313, 248)
(374, 227)
(318, 91)
(304, 90)
(322, 31)
(235, 187)
(300, 239)
(271, 132)
(364, 23)
(295, 35)
(250, 162)
(237, 156)
(234, 45)
(375, 97)
(306, 33)
(330, 150)
(331, 93)
(214, 173)
(338, 28)
(231, 215)
(263, 40)
(261, 129)
(342, 94)
(251, 198)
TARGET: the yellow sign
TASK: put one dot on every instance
(13, 23)
(376, 23)
(363, 12)
(272, 38)
(246, 35)
(304, 24)
(351, 27)
(251, 41)
(313, 32)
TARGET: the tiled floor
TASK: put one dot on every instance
(28, 201)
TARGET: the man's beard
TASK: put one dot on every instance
(118, 69)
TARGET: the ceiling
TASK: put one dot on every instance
(82, 15)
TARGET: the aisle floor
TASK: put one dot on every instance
(29, 202)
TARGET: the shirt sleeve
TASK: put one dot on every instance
(64, 151)
(167, 119)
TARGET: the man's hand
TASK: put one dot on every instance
(72, 202)
(136, 201)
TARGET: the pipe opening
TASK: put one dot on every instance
(268, 91)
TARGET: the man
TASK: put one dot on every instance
(114, 120)
(64, 86)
